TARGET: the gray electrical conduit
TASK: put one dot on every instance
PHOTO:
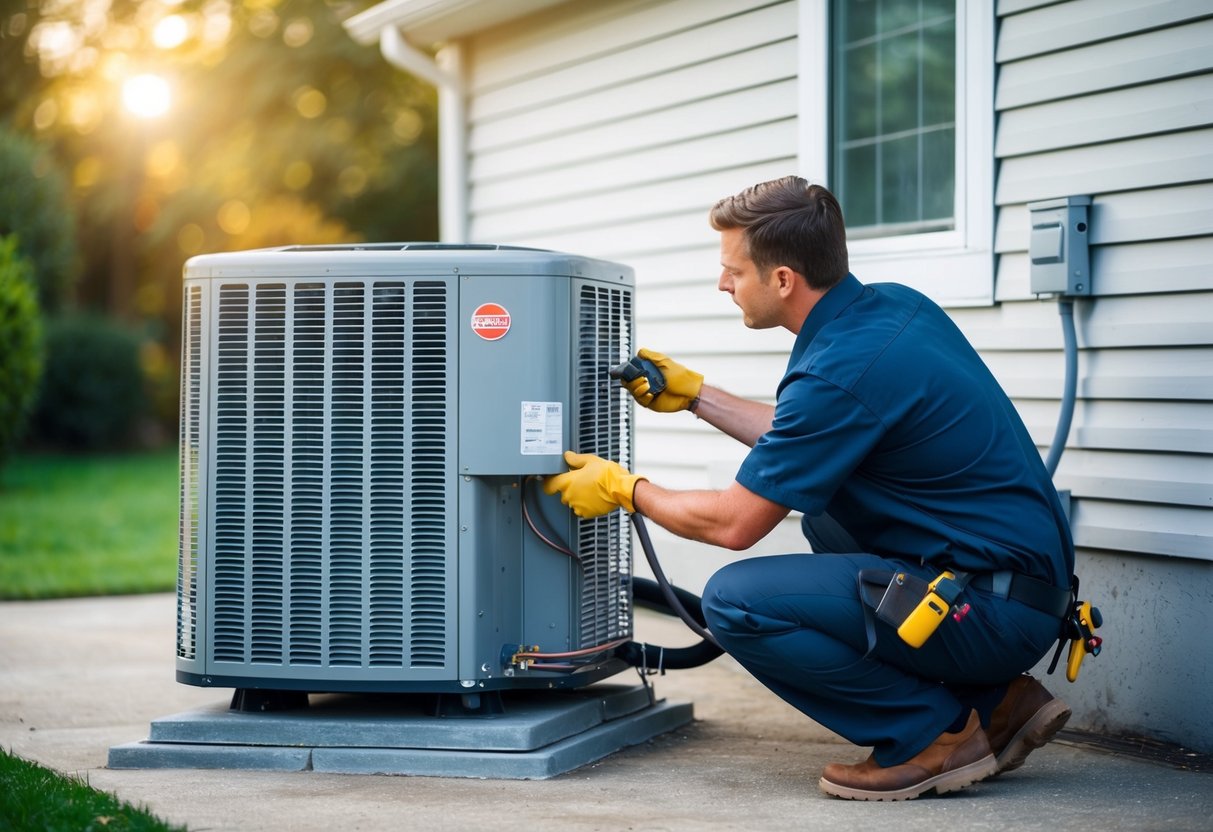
(1065, 308)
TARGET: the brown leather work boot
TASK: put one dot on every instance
(950, 763)
(1026, 718)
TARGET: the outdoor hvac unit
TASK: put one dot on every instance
(363, 429)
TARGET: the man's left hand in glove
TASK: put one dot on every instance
(593, 486)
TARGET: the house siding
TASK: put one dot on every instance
(1114, 100)
(609, 129)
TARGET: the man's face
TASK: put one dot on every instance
(755, 294)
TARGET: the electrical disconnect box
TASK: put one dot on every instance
(362, 431)
(1058, 246)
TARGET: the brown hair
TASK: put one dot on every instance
(788, 222)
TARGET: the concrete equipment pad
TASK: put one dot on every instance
(541, 734)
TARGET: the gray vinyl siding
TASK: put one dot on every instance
(1140, 143)
(607, 128)
(1113, 99)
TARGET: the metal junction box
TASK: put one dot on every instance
(1058, 246)
(362, 428)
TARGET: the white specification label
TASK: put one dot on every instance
(542, 428)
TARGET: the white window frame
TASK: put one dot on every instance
(954, 267)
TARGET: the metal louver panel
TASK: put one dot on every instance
(387, 542)
(229, 476)
(189, 449)
(347, 456)
(330, 477)
(431, 496)
(604, 339)
(309, 369)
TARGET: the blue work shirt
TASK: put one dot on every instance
(888, 420)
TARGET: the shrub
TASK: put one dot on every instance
(92, 391)
(20, 344)
(34, 206)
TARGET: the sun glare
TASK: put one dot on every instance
(171, 32)
(147, 96)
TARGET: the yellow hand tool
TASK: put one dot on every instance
(930, 612)
(1083, 640)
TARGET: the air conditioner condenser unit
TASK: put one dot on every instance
(362, 433)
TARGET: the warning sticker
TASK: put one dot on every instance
(491, 321)
(542, 428)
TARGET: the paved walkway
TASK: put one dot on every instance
(80, 676)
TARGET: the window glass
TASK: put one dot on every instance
(893, 130)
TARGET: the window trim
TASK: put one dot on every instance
(954, 267)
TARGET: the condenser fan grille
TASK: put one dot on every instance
(190, 462)
(604, 543)
(329, 477)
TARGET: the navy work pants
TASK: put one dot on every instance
(796, 623)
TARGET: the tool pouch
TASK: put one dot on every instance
(912, 606)
(890, 595)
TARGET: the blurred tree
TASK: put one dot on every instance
(34, 208)
(251, 124)
(93, 394)
(20, 344)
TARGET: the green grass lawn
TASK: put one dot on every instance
(88, 525)
(82, 525)
(36, 798)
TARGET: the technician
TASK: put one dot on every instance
(905, 457)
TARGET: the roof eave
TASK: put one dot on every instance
(427, 22)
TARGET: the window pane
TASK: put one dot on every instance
(899, 180)
(939, 73)
(894, 113)
(896, 15)
(938, 174)
(932, 9)
(859, 180)
(899, 61)
(858, 19)
(859, 96)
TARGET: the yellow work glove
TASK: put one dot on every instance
(682, 385)
(593, 486)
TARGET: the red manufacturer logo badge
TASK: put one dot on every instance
(491, 321)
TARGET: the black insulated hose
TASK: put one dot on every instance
(654, 656)
(661, 595)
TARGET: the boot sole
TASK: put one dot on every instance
(1037, 731)
(948, 781)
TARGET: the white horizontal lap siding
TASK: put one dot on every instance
(609, 130)
(1165, 213)
(1167, 426)
(1154, 266)
(1064, 26)
(1113, 99)
(1136, 476)
(1160, 373)
(592, 120)
(1161, 107)
(773, 101)
(1136, 59)
(1176, 531)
